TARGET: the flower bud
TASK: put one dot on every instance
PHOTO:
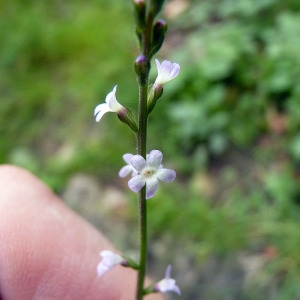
(139, 36)
(158, 36)
(142, 67)
(155, 93)
(155, 6)
(140, 13)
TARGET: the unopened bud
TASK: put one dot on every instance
(139, 37)
(140, 13)
(158, 36)
(155, 93)
(155, 6)
(142, 67)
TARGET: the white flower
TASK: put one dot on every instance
(109, 260)
(166, 71)
(126, 170)
(111, 105)
(150, 171)
(167, 284)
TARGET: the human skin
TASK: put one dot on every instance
(47, 251)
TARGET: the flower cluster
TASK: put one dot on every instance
(146, 172)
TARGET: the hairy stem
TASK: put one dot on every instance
(142, 149)
(142, 143)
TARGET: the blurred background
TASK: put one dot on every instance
(228, 124)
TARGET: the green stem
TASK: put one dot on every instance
(143, 244)
(142, 150)
(142, 143)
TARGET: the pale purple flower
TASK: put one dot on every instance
(166, 71)
(150, 171)
(126, 170)
(167, 284)
(111, 105)
(109, 260)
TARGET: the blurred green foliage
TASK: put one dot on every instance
(240, 61)
(230, 120)
(235, 112)
(58, 60)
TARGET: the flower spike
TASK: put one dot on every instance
(150, 172)
(167, 284)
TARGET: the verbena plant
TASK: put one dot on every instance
(145, 168)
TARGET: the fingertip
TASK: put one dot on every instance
(19, 184)
(48, 251)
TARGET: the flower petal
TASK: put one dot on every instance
(110, 257)
(175, 71)
(166, 67)
(138, 162)
(136, 183)
(111, 96)
(166, 175)
(166, 71)
(127, 158)
(167, 284)
(109, 260)
(154, 159)
(112, 102)
(151, 187)
(168, 272)
(125, 171)
(100, 110)
(100, 107)
(176, 289)
(157, 66)
(101, 269)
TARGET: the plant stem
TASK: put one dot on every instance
(142, 143)
(142, 149)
